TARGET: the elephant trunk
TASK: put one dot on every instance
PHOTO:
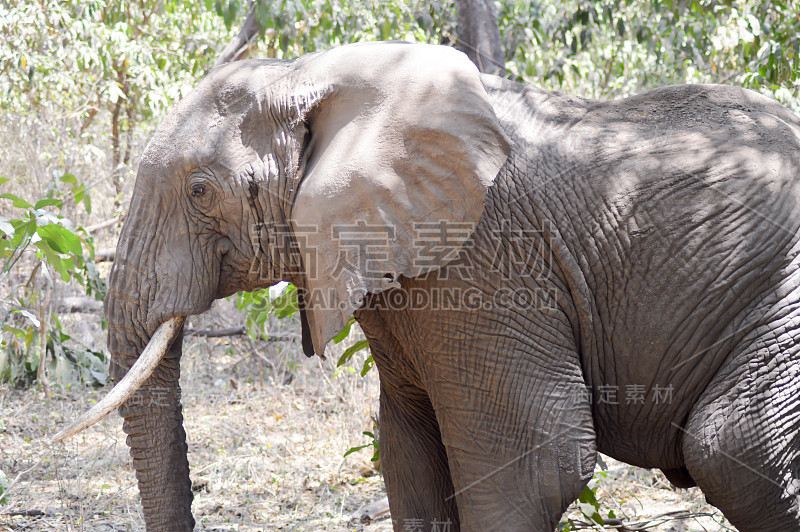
(153, 418)
(153, 421)
(157, 444)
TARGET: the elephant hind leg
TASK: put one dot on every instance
(742, 440)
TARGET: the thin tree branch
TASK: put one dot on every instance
(101, 225)
(235, 331)
(105, 255)
(77, 305)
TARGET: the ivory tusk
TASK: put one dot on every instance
(143, 367)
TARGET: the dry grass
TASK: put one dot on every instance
(267, 431)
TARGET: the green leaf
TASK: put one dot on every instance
(589, 511)
(588, 496)
(286, 305)
(6, 227)
(373, 443)
(368, 364)
(48, 202)
(115, 93)
(87, 203)
(19, 333)
(243, 299)
(351, 450)
(345, 332)
(277, 290)
(59, 265)
(350, 351)
(16, 201)
(28, 315)
(78, 192)
(230, 13)
(262, 17)
(588, 505)
(3, 486)
(69, 178)
(386, 29)
(60, 239)
(4, 180)
(23, 230)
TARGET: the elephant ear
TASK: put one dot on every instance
(403, 146)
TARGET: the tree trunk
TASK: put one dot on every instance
(240, 46)
(479, 35)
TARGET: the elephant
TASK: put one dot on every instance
(540, 277)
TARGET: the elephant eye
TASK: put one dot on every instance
(201, 189)
(198, 190)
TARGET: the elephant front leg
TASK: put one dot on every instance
(518, 431)
(414, 461)
(415, 467)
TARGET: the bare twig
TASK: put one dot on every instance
(44, 326)
(77, 305)
(105, 255)
(20, 475)
(25, 513)
(235, 331)
(374, 510)
(216, 333)
(101, 225)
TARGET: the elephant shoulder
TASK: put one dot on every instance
(531, 114)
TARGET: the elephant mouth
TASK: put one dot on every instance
(141, 370)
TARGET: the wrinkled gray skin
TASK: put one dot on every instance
(661, 234)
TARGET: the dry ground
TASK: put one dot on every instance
(267, 430)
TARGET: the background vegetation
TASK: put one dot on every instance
(84, 83)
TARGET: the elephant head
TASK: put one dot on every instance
(320, 171)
